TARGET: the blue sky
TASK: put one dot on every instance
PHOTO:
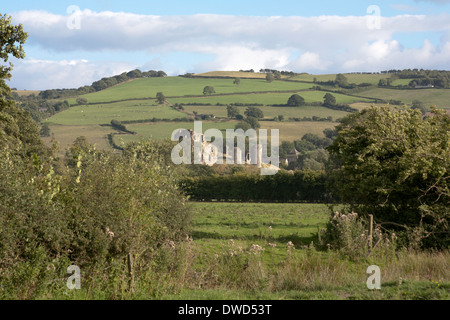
(110, 37)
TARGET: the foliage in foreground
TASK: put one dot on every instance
(395, 164)
(119, 218)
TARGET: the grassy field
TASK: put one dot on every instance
(179, 86)
(234, 74)
(352, 78)
(289, 131)
(66, 135)
(438, 97)
(271, 112)
(134, 100)
(224, 235)
(266, 98)
(104, 113)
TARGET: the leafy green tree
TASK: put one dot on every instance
(208, 90)
(12, 39)
(277, 75)
(254, 112)
(232, 111)
(18, 131)
(237, 81)
(243, 125)
(296, 100)
(417, 104)
(82, 100)
(280, 117)
(160, 98)
(253, 122)
(394, 164)
(45, 130)
(329, 99)
(270, 77)
(341, 80)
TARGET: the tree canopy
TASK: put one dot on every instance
(395, 164)
(296, 100)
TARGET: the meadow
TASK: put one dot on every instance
(135, 100)
(271, 112)
(266, 251)
(352, 78)
(437, 97)
(104, 113)
(267, 99)
(288, 131)
(179, 87)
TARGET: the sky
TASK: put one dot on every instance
(74, 43)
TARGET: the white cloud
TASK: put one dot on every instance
(47, 74)
(326, 43)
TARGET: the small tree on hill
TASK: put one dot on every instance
(329, 100)
(232, 111)
(208, 90)
(237, 81)
(270, 77)
(254, 112)
(295, 101)
(160, 97)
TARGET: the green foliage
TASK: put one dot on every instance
(394, 164)
(82, 100)
(98, 211)
(160, 98)
(45, 130)
(349, 234)
(341, 80)
(208, 90)
(232, 111)
(12, 39)
(270, 77)
(254, 112)
(253, 122)
(295, 101)
(301, 186)
(329, 99)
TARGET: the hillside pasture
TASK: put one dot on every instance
(267, 99)
(438, 97)
(270, 112)
(351, 77)
(124, 110)
(288, 131)
(66, 135)
(178, 87)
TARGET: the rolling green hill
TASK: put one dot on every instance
(135, 102)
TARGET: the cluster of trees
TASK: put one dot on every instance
(101, 84)
(283, 72)
(251, 119)
(342, 82)
(435, 78)
(311, 148)
(395, 164)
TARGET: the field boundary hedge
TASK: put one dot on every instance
(299, 186)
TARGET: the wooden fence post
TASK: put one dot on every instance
(370, 230)
(131, 271)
